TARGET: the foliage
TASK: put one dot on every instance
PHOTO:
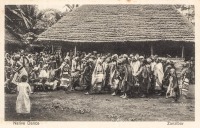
(20, 19)
(70, 8)
(188, 11)
(46, 18)
(25, 21)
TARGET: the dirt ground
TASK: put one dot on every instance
(75, 106)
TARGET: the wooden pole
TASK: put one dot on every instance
(151, 49)
(52, 48)
(182, 54)
(75, 51)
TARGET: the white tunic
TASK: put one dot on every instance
(136, 67)
(23, 102)
(159, 75)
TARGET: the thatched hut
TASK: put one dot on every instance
(145, 29)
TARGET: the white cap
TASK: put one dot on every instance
(141, 57)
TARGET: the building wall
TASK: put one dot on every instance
(161, 48)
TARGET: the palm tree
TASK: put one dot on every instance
(21, 17)
(20, 20)
(71, 7)
(46, 18)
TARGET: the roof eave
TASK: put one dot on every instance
(83, 41)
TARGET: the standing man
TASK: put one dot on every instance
(136, 65)
(87, 76)
(65, 73)
(75, 73)
(127, 81)
(159, 75)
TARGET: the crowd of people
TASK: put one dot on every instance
(121, 75)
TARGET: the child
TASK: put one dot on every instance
(23, 104)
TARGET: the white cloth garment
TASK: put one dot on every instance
(136, 67)
(153, 66)
(43, 74)
(98, 74)
(159, 75)
(23, 104)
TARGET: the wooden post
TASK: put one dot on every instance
(151, 49)
(75, 51)
(52, 48)
(182, 54)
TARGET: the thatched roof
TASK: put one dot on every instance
(121, 23)
(10, 38)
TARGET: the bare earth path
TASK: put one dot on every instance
(59, 106)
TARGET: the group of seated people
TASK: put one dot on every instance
(124, 75)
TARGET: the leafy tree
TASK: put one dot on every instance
(46, 18)
(26, 21)
(20, 20)
(70, 8)
(188, 11)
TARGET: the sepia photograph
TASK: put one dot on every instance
(99, 62)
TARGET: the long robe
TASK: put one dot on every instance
(132, 66)
(173, 88)
(113, 67)
(185, 81)
(75, 74)
(153, 66)
(98, 77)
(127, 81)
(87, 77)
(166, 76)
(23, 104)
(144, 78)
(159, 75)
(107, 75)
(136, 67)
(116, 81)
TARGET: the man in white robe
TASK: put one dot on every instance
(159, 75)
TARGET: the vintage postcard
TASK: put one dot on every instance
(118, 63)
